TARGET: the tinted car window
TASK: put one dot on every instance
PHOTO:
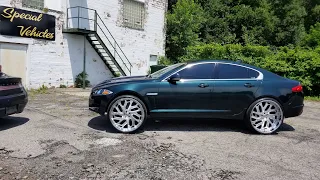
(199, 71)
(227, 71)
(252, 73)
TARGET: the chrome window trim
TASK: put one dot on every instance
(260, 77)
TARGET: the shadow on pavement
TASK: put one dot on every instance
(11, 122)
(101, 123)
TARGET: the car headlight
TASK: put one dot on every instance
(103, 92)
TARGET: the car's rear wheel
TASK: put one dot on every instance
(265, 116)
(127, 113)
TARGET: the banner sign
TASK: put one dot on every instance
(22, 23)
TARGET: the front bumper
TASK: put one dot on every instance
(99, 103)
(12, 104)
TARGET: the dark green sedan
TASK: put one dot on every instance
(202, 89)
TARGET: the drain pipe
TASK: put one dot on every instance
(84, 63)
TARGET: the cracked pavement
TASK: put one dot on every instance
(57, 137)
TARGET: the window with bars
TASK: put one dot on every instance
(37, 4)
(133, 14)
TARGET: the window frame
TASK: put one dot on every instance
(215, 72)
(194, 64)
(260, 76)
(143, 16)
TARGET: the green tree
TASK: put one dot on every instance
(313, 13)
(242, 21)
(313, 38)
(217, 27)
(183, 25)
(254, 22)
(290, 29)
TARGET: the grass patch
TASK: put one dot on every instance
(313, 98)
(42, 90)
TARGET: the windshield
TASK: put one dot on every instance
(163, 71)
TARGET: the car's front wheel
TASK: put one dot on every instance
(265, 116)
(127, 113)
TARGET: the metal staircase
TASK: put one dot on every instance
(86, 21)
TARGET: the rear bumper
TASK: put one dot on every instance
(13, 104)
(294, 111)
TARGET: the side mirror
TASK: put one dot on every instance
(174, 78)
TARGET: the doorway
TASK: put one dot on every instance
(13, 59)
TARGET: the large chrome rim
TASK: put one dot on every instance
(126, 114)
(266, 116)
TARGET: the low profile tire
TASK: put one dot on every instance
(264, 116)
(127, 114)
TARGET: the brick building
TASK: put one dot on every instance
(49, 42)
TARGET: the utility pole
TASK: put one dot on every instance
(84, 63)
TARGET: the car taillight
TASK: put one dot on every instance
(297, 88)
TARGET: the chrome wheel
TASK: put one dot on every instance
(127, 114)
(266, 116)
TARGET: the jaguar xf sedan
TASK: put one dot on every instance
(212, 89)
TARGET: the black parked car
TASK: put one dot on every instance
(13, 97)
(202, 89)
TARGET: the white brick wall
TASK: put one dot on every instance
(58, 62)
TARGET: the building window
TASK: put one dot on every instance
(37, 4)
(133, 14)
(153, 60)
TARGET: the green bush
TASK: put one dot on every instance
(164, 61)
(79, 80)
(295, 63)
(62, 86)
(155, 68)
(117, 74)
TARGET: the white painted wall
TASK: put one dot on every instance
(138, 45)
(58, 62)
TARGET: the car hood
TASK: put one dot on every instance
(125, 79)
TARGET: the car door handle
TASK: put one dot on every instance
(202, 85)
(248, 85)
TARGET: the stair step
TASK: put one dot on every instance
(101, 51)
(105, 51)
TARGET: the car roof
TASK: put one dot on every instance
(266, 73)
(238, 62)
(213, 61)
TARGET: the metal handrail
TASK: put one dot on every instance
(113, 38)
(97, 17)
(115, 48)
